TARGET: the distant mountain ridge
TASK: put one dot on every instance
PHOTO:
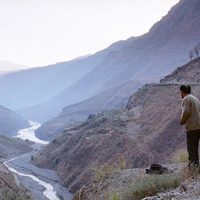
(6, 66)
(145, 58)
(28, 87)
(40, 94)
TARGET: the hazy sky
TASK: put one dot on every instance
(40, 32)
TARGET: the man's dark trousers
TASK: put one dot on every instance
(192, 147)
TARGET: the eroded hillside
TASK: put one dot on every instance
(146, 131)
(139, 133)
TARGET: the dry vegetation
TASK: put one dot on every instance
(152, 185)
(181, 156)
(105, 171)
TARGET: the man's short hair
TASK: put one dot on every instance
(185, 89)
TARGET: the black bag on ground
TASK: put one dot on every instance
(156, 169)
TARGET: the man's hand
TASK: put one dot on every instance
(184, 117)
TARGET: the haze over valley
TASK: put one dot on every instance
(62, 123)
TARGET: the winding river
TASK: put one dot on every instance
(29, 133)
(39, 181)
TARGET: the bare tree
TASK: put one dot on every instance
(198, 46)
(191, 54)
(196, 51)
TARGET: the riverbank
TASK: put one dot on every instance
(43, 184)
(9, 188)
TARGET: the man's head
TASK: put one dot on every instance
(185, 90)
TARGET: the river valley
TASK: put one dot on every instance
(44, 184)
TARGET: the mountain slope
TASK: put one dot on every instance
(129, 133)
(139, 133)
(28, 87)
(10, 122)
(146, 58)
(110, 99)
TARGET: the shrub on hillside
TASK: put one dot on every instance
(190, 173)
(112, 196)
(181, 156)
(104, 171)
(151, 185)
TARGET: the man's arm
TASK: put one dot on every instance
(186, 111)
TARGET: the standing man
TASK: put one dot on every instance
(191, 119)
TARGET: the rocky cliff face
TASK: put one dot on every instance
(146, 131)
(10, 122)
